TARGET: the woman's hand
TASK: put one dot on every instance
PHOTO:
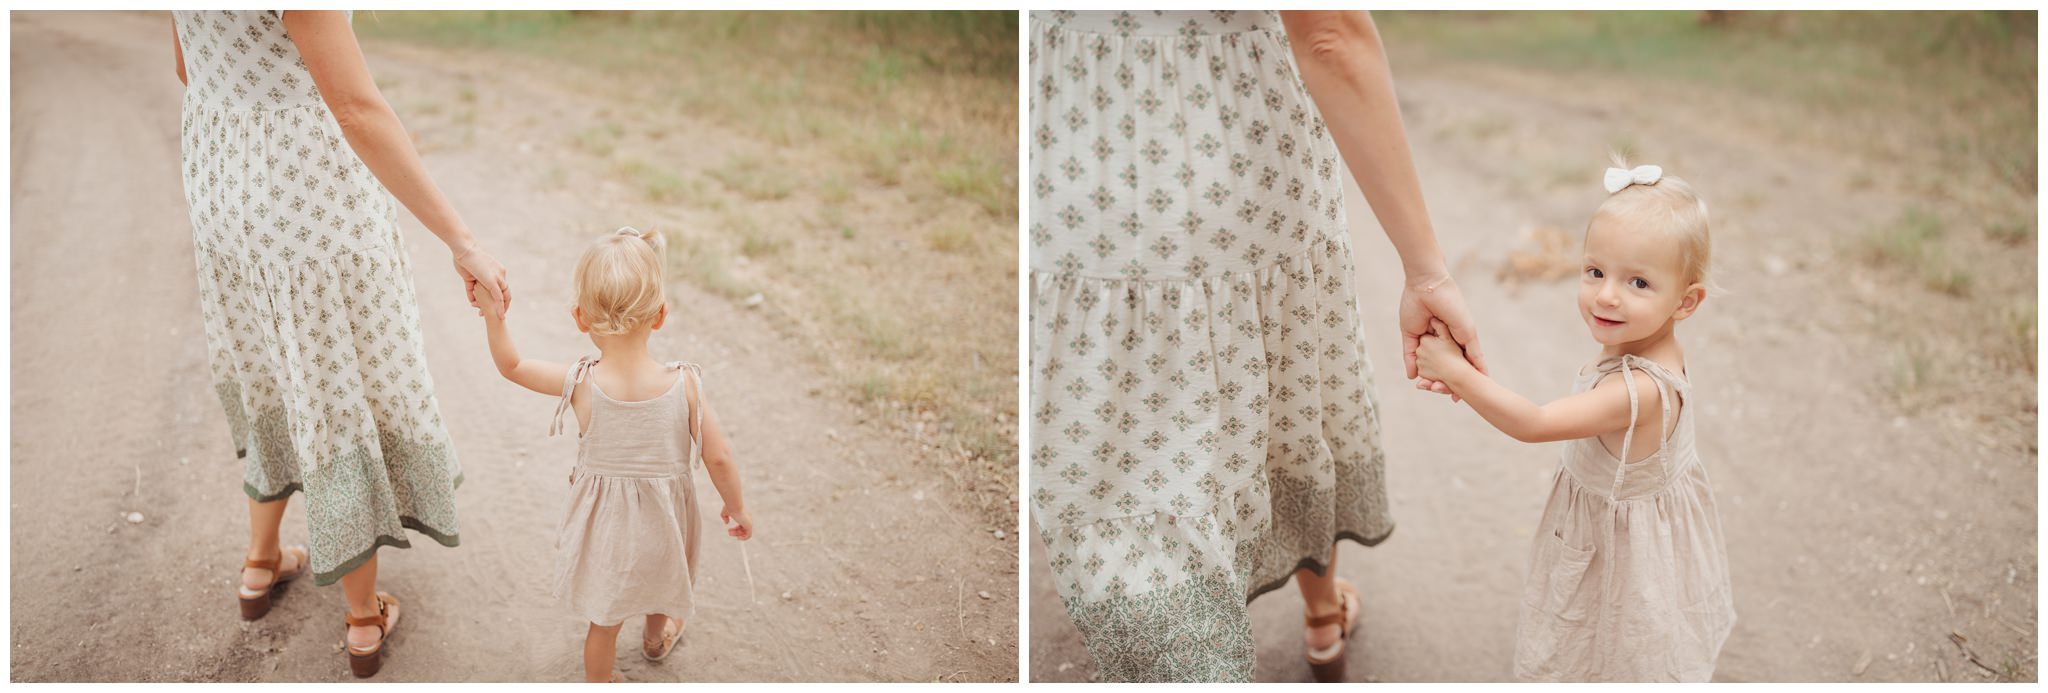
(742, 524)
(1436, 298)
(481, 271)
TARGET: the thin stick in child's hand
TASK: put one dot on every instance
(744, 563)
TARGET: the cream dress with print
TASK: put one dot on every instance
(312, 331)
(1202, 418)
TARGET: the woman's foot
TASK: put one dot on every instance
(262, 574)
(1325, 637)
(660, 638)
(368, 633)
(1327, 630)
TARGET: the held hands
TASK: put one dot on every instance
(1437, 300)
(738, 523)
(1438, 358)
(481, 271)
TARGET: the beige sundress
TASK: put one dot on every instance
(628, 545)
(1628, 580)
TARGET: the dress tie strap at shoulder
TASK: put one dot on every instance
(576, 376)
(696, 430)
(1628, 364)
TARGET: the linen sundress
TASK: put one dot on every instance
(1628, 578)
(628, 544)
(1202, 417)
(312, 329)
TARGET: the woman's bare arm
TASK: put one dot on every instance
(1345, 69)
(327, 43)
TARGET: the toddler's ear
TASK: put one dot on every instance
(660, 316)
(1694, 296)
(577, 313)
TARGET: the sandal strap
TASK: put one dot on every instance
(1347, 602)
(269, 564)
(377, 620)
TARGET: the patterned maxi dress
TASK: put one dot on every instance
(1202, 419)
(312, 330)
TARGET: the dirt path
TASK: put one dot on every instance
(867, 567)
(1860, 537)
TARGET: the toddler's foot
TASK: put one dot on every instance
(660, 639)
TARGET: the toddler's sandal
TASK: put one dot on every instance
(256, 602)
(668, 643)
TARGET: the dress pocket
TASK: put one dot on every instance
(1553, 626)
(1567, 572)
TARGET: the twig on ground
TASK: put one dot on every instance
(960, 604)
(1960, 642)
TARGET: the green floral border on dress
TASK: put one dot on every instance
(265, 446)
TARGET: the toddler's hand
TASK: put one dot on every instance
(741, 525)
(1437, 357)
(490, 310)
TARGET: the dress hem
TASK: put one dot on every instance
(382, 540)
(1320, 568)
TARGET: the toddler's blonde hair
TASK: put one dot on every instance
(619, 281)
(1669, 206)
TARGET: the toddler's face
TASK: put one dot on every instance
(1631, 284)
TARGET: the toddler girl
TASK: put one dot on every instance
(628, 546)
(1628, 580)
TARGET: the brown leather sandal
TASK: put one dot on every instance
(256, 603)
(1328, 664)
(366, 661)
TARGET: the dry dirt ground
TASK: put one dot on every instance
(868, 564)
(1861, 536)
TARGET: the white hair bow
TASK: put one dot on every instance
(1640, 175)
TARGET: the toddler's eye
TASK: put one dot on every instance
(1594, 272)
(1639, 283)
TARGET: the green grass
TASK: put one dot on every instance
(1915, 243)
(601, 140)
(756, 243)
(951, 239)
(657, 183)
(1965, 80)
(806, 78)
(705, 264)
(755, 179)
(1915, 374)
(2019, 334)
(2011, 232)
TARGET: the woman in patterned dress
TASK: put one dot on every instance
(291, 161)
(1203, 424)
